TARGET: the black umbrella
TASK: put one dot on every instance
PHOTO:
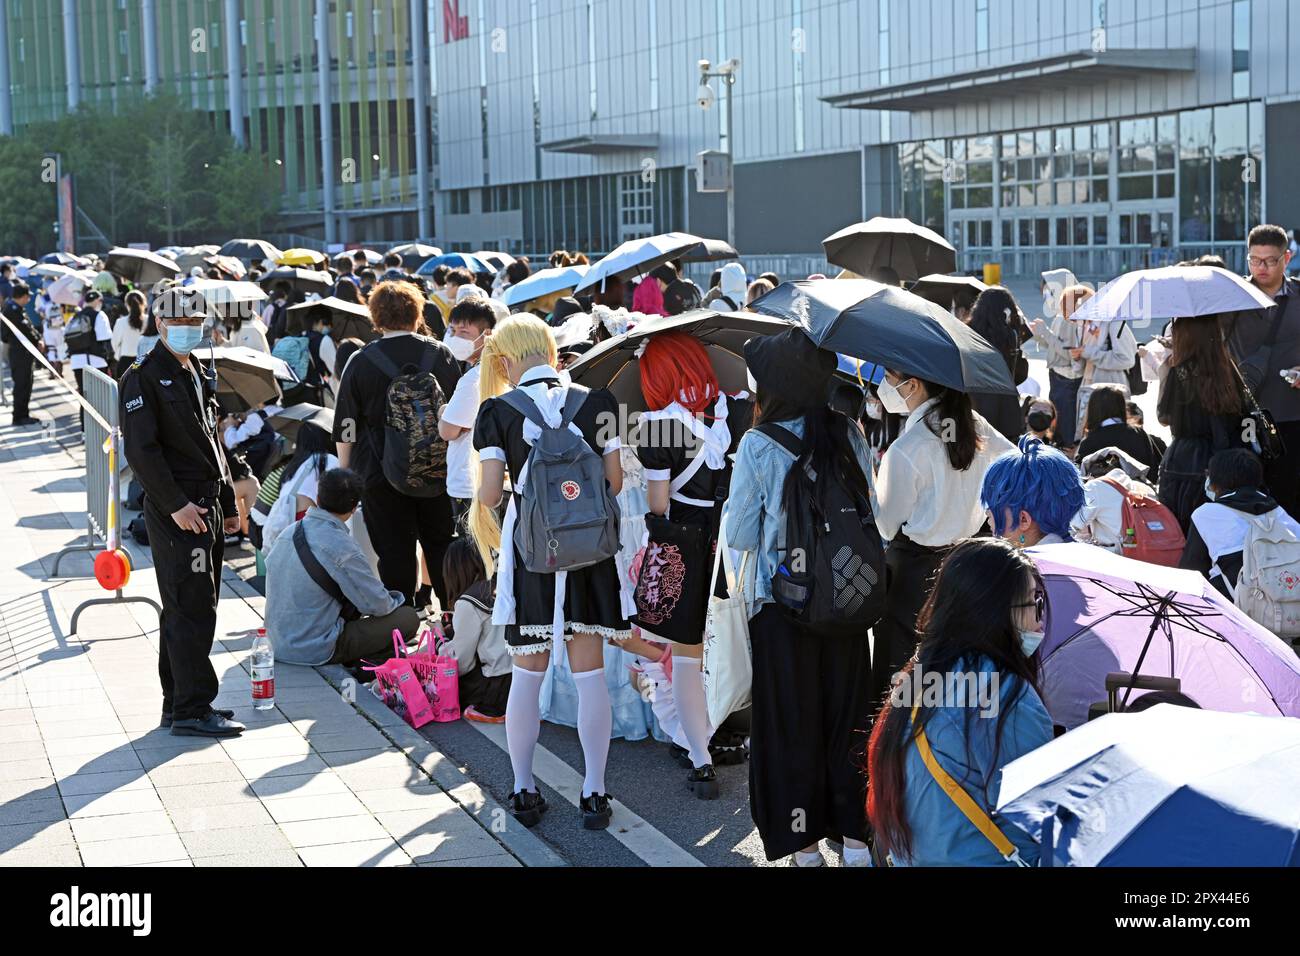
(140, 267)
(941, 289)
(348, 320)
(894, 328)
(711, 250)
(613, 363)
(300, 280)
(246, 378)
(250, 250)
(287, 421)
(910, 250)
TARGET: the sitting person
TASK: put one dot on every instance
(1107, 425)
(1031, 494)
(1040, 420)
(1216, 538)
(1101, 519)
(478, 645)
(332, 609)
(984, 619)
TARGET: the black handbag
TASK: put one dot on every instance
(672, 586)
(1266, 440)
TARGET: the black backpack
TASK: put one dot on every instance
(414, 459)
(832, 577)
(79, 333)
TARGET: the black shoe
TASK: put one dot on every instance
(26, 421)
(424, 596)
(596, 811)
(213, 725)
(704, 782)
(728, 748)
(528, 807)
(167, 716)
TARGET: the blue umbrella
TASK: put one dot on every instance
(456, 260)
(886, 325)
(545, 282)
(1171, 786)
(860, 371)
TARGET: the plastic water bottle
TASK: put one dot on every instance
(263, 672)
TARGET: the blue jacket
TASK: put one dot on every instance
(963, 744)
(754, 515)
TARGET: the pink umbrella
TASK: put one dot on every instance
(1110, 614)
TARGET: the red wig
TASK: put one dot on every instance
(675, 368)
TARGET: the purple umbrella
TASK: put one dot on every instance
(1110, 614)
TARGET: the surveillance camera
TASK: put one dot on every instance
(704, 97)
(704, 66)
(730, 67)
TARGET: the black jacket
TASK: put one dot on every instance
(1129, 439)
(16, 314)
(170, 439)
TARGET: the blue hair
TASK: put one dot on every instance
(1036, 479)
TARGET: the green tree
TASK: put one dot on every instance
(28, 211)
(247, 190)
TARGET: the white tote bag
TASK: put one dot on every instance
(727, 669)
(285, 510)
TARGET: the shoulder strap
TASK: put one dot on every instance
(379, 360)
(315, 570)
(783, 437)
(427, 360)
(523, 403)
(1118, 487)
(574, 399)
(969, 808)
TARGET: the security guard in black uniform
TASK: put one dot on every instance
(170, 436)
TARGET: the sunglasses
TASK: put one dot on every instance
(1039, 604)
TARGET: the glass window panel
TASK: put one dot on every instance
(1082, 165)
(1230, 130)
(986, 233)
(1127, 132)
(1101, 136)
(1025, 170)
(1043, 194)
(1135, 187)
(1009, 144)
(981, 148)
(1081, 190)
(1009, 171)
(1064, 141)
(1008, 233)
(1043, 141)
(1144, 159)
(1165, 186)
(1143, 229)
(1166, 128)
(958, 195)
(1101, 190)
(1026, 195)
(1043, 168)
(1008, 198)
(972, 233)
(1100, 163)
(979, 172)
(1064, 193)
(1042, 231)
(1025, 144)
(1026, 227)
(958, 149)
(1195, 130)
(981, 198)
(1083, 137)
(1062, 232)
(1099, 230)
(1062, 167)
(1125, 230)
(1080, 231)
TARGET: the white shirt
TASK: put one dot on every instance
(125, 338)
(920, 493)
(103, 333)
(234, 436)
(462, 411)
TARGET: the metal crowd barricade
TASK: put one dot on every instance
(102, 522)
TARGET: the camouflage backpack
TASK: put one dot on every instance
(414, 458)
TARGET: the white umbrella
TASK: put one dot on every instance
(68, 289)
(372, 258)
(1173, 292)
(498, 260)
(543, 283)
(226, 296)
(638, 256)
(51, 270)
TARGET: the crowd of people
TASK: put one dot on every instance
(426, 492)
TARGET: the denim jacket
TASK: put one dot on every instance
(754, 515)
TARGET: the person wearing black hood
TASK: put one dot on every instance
(811, 690)
(1216, 535)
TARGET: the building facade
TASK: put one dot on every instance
(1099, 134)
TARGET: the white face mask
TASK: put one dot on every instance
(462, 349)
(1029, 641)
(873, 410)
(892, 399)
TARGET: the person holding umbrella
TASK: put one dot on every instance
(1203, 404)
(927, 499)
(811, 690)
(984, 620)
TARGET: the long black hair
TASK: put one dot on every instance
(969, 617)
(135, 309)
(312, 440)
(952, 421)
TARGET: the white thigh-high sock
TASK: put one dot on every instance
(692, 708)
(663, 703)
(523, 724)
(595, 722)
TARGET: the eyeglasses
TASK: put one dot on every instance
(1039, 604)
(1269, 263)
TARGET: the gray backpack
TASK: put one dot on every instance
(568, 518)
